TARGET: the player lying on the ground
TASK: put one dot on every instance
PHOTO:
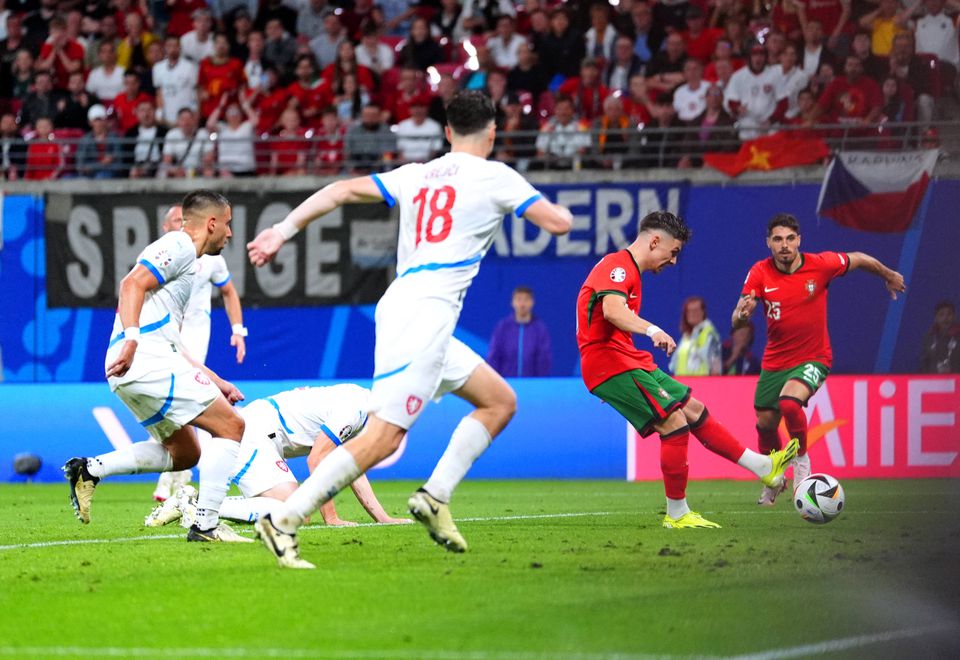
(307, 421)
(166, 389)
(614, 370)
(797, 358)
(450, 211)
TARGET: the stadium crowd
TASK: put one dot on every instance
(178, 88)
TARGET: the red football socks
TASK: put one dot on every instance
(673, 463)
(796, 420)
(768, 440)
(714, 436)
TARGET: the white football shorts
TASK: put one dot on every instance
(260, 465)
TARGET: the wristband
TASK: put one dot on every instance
(652, 330)
(238, 329)
(287, 229)
(131, 334)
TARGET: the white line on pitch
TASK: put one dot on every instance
(844, 643)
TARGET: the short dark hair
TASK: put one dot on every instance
(944, 304)
(523, 288)
(198, 200)
(470, 112)
(783, 220)
(667, 222)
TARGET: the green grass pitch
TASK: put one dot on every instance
(555, 570)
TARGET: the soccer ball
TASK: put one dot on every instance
(818, 498)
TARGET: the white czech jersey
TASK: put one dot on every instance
(210, 270)
(171, 259)
(338, 412)
(757, 92)
(450, 211)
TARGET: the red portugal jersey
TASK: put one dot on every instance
(796, 308)
(219, 79)
(606, 350)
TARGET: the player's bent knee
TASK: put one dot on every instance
(693, 409)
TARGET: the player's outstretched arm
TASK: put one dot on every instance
(359, 190)
(554, 218)
(321, 447)
(615, 311)
(133, 290)
(364, 493)
(231, 303)
(891, 278)
(744, 310)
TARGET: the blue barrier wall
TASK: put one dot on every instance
(67, 345)
(57, 421)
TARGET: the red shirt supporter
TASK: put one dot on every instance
(586, 91)
(826, 12)
(310, 100)
(181, 16)
(364, 77)
(851, 99)
(65, 55)
(288, 151)
(125, 109)
(219, 75)
(796, 308)
(699, 39)
(397, 101)
(329, 144)
(605, 350)
(270, 105)
(44, 158)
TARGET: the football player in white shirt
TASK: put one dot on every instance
(307, 421)
(450, 211)
(195, 329)
(166, 389)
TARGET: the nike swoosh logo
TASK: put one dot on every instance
(632, 296)
(433, 509)
(766, 290)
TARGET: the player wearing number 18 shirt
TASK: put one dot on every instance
(792, 287)
(615, 371)
(450, 211)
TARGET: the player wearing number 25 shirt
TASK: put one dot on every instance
(450, 211)
(790, 288)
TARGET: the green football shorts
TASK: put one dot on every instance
(644, 398)
(767, 397)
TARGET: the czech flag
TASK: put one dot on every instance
(876, 190)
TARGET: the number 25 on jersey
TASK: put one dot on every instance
(439, 222)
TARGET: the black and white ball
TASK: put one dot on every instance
(818, 498)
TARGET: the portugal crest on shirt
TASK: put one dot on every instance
(618, 274)
(811, 287)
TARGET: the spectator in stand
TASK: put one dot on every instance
(753, 94)
(17, 40)
(99, 153)
(722, 59)
(175, 81)
(18, 79)
(873, 66)
(516, 135)
(154, 56)
(373, 53)
(822, 80)
(311, 18)
(520, 345)
(345, 63)
(741, 39)
(271, 10)
(38, 22)
(288, 149)
(419, 138)
(328, 143)
(884, 23)
(324, 46)
(690, 98)
(60, 54)
(562, 49)
(937, 33)
(670, 15)
(505, 44)
(270, 101)
(852, 98)
(601, 36)
(44, 157)
(815, 52)
(662, 139)
(832, 15)
(234, 137)
(792, 79)
(144, 143)
(528, 75)
(539, 28)
(350, 99)
(181, 15)
(398, 102)
(562, 141)
(478, 78)
(625, 65)
(448, 22)
(637, 103)
(108, 32)
(253, 66)
(106, 80)
(73, 107)
(126, 102)
(738, 359)
(220, 75)
(775, 43)
(197, 45)
(363, 11)
(13, 148)
(446, 88)
(716, 132)
(941, 345)
(419, 50)
(132, 50)
(898, 105)
(699, 40)
(614, 136)
(665, 72)
(187, 150)
(698, 351)
(308, 94)
(240, 35)
(586, 91)
(481, 15)
(915, 71)
(42, 101)
(369, 142)
(646, 36)
(806, 112)
(280, 48)
(496, 89)
(784, 19)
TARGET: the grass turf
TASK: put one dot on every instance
(608, 581)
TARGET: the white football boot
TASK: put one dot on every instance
(173, 508)
(801, 469)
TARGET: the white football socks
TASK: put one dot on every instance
(469, 440)
(218, 461)
(334, 473)
(147, 456)
(246, 509)
(677, 509)
(759, 464)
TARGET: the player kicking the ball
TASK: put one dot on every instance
(616, 372)
(793, 288)
(450, 211)
(165, 388)
(307, 421)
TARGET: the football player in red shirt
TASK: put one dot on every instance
(616, 372)
(793, 288)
